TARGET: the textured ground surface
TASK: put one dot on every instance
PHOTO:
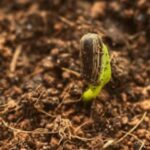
(40, 105)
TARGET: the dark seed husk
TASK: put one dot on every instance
(91, 53)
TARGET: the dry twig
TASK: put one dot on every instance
(113, 142)
(142, 143)
(131, 130)
(71, 71)
(14, 59)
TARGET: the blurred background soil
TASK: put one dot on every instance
(40, 82)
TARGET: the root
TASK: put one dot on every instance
(83, 124)
(36, 131)
(38, 108)
(62, 127)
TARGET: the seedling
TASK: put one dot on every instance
(95, 64)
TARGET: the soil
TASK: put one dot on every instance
(40, 83)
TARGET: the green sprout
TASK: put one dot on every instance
(96, 69)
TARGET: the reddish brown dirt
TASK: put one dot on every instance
(40, 104)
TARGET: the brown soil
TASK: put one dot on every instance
(40, 84)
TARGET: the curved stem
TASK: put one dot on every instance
(92, 92)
